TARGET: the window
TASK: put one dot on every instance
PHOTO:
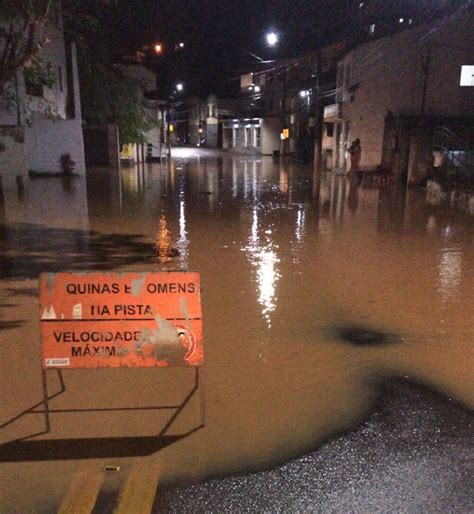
(330, 129)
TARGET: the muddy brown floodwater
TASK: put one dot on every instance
(315, 289)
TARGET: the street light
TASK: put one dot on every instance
(158, 48)
(272, 39)
(179, 86)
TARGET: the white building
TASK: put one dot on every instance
(253, 136)
(40, 125)
(154, 146)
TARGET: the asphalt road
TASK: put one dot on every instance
(414, 454)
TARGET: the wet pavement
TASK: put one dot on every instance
(317, 289)
(404, 458)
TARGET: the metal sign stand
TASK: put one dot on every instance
(47, 411)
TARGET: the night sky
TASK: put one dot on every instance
(218, 33)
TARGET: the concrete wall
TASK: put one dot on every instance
(46, 140)
(388, 76)
(53, 52)
(421, 157)
(451, 48)
(12, 156)
(270, 135)
(211, 134)
(48, 136)
(54, 98)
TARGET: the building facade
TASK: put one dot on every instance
(392, 93)
(41, 125)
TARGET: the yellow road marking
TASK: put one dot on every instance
(83, 491)
(139, 492)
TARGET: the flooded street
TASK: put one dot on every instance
(315, 289)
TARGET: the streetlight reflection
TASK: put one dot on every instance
(183, 241)
(450, 271)
(263, 257)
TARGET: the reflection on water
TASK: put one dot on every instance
(449, 273)
(262, 254)
(285, 257)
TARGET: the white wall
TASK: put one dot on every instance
(12, 159)
(46, 140)
(270, 135)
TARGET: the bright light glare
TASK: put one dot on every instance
(272, 39)
(304, 93)
(467, 75)
(158, 48)
(179, 86)
(257, 89)
(181, 45)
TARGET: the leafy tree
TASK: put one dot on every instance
(110, 97)
(22, 33)
(107, 95)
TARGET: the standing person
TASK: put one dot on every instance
(355, 150)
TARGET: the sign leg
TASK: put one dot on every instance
(46, 401)
(202, 395)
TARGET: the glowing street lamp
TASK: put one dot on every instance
(179, 86)
(158, 48)
(272, 39)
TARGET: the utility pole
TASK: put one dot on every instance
(318, 118)
(168, 135)
(285, 125)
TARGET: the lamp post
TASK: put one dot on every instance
(272, 38)
(179, 88)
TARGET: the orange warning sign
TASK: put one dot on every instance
(91, 320)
